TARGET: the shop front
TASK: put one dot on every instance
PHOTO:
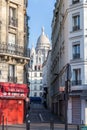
(12, 103)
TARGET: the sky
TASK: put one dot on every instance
(41, 14)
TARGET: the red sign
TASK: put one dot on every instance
(10, 89)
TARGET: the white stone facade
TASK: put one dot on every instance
(46, 79)
(69, 41)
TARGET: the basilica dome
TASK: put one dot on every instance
(43, 41)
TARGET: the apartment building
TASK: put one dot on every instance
(13, 60)
(69, 39)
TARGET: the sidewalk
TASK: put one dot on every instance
(39, 126)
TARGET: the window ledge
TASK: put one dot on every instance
(14, 27)
(76, 3)
(76, 31)
(76, 60)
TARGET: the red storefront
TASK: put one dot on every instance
(12, 103)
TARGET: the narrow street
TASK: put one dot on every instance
(40, 114)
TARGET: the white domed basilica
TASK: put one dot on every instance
(37, 56)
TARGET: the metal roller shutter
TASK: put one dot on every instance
(76, 110)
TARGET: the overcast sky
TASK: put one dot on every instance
(41, 14)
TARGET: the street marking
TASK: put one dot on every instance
(41, 117)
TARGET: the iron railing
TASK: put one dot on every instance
(12, 49)
(75, 1)
(12, 79)
(76, 82)
(75, 28)
(76, 56)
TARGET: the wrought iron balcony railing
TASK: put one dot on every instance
(12, 79)
(76, 56)
(75, 28)
(75, 1)
(12, 49)
(76, 82)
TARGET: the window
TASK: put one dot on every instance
(35, 88)
(75, 1)
(11, 42)
(35, 94)
(12, 16)
(35, 67)
(76, 77)
(11, 73)
(41, 81)
(39, 67)
(40, 94)
(40, 87)
(40, 74)
(76, 22)
(76, 51)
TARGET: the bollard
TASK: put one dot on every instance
(6, 124)
(51, 124)
(77, 127)
(28, 125)
(3, 122)
(27, 122)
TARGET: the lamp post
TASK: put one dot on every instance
(67, 89)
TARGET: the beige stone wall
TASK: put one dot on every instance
(3, 71)
(4, 13)
(19, 31)
(20, 74)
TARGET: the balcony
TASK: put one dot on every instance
(12, 79)
(76, 82)
(76, 56)
(75, 28)
(75, 1)
(13, 22)
(12, 49)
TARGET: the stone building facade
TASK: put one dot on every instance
(13, 40)
(69, 46)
